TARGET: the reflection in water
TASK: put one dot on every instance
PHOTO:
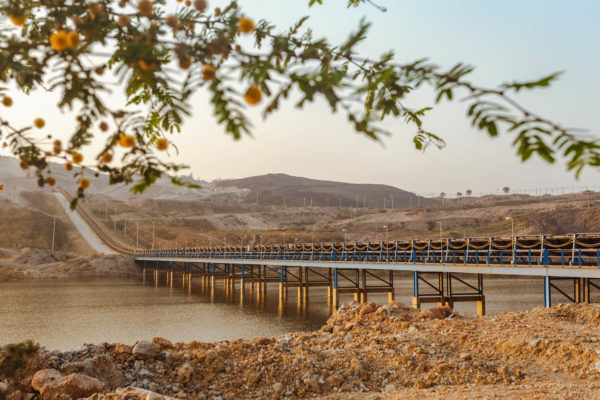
(63, 314)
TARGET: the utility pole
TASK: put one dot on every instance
(441, 244)
(152, 235)
(384, 203)
(53, 231)
(311, 202)
(137, 234)
(364, 200)
(392, 201)
(304, 198)
(328, 202)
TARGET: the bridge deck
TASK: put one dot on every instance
(492, 269)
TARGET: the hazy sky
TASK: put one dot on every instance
(505, 40)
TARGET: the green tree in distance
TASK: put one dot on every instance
(164, 51)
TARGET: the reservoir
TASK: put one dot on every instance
(63, 314)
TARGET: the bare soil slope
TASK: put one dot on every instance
(272, 188)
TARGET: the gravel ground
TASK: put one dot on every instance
(363, 352)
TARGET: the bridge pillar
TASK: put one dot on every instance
(335, 296)
(547, 292)
(282, 285)
(581, 289)
(391, 293)
(443, 292)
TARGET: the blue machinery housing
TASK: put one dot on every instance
(444, 270)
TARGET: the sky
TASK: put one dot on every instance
(504, 40)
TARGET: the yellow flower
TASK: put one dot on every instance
(73, 39)
(126, 141)
(151, 65)
(106, 158)
(245, 25)
(17, 20)
(253, 95)
(208, 72)
(7, 101)
(84, 183)
(162, 144)
(39, 123)
(50, 181)
(145, 8)
(77, 158)
(59, 40)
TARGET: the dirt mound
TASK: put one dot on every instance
(38, 263)
(364, 351)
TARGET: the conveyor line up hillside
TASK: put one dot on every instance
(113, 243)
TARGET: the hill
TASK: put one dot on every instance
(282, 189)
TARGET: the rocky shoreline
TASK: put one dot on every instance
(363, 351)
(28, 263)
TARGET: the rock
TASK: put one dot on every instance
(284, 343)
(184, 374)
(51, 384)
(3, 387)
(465, 356)
(254, 378)
(133, 393)
(597, 366)
(312, 384)
(337, 329)
(367, 308)
(163, 343)
(277, 387)
(102, 367)
(122, 348)
(145, 350)
(16, 395)
(442, 312)
(535, 343)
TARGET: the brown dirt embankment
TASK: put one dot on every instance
(37, 263)
(364, 351)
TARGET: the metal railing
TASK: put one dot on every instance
(566, 251)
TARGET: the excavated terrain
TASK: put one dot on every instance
(363, 352)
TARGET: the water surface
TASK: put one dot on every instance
(66, 313)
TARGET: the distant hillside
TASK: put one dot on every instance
(273, 189)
